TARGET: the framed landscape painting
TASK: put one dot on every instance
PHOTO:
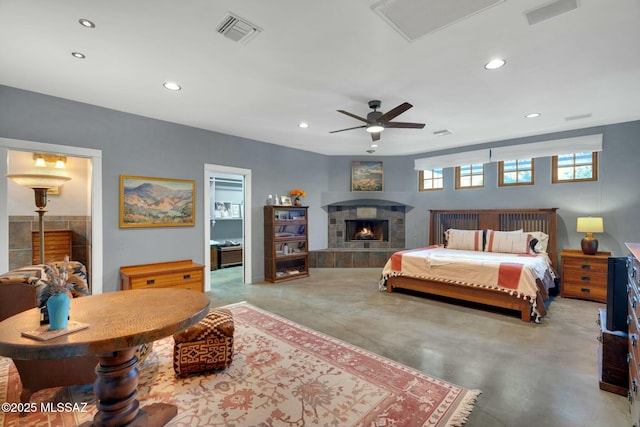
(156, 202)
(367, 176)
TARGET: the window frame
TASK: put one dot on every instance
(594, 169)
(421, 180)
(457, 173)
(501, 182)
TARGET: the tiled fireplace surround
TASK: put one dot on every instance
(360, 253)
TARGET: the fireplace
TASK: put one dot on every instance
(384, 224)
(367, 229)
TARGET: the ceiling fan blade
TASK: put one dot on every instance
(391, 114)
(375, 136)
(342, 130)
(352, 115)
(404, 125)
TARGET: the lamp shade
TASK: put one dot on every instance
(590, 224)
(39, 181)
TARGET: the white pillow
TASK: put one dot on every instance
(470, 240)
(508, 242)
(543, 241)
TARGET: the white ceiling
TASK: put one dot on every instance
(315, 57)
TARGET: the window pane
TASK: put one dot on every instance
(465, 170)
(510, 178)
(524, 164)
(437, 173)
(510, 166)
(565, 160)
(565, 173)
(584, 158)
(476, 169)
(524, 176)
(584, 172)
(438, 183)
(465, 181)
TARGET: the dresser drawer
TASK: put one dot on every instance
(173, 274)
(168, 280)
(588, 287)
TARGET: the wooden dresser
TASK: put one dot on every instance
(183, 274)
(633, 357)
(584, 276)
(57, 244)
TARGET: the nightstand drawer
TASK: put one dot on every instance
(584, 289)
(584, 266)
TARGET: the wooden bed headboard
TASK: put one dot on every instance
(496, 219)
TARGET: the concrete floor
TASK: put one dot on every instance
(530, 374)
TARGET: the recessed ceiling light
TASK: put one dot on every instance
(371, 151)
(374, 145)
(171, 86)
(494, 64)
(442, 132)
(86, 23)
(303, 125)
(78, 55)
(532, 115)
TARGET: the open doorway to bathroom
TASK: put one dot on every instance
(229, 217)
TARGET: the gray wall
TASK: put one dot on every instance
(134, 145)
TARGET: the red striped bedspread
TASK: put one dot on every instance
(512, 273)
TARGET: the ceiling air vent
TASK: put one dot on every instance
(550, 10)
(237, 29)
(415, 18)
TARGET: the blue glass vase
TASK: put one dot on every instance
(58, 308)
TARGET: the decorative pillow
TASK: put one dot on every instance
(543, 241)
(470, 240)
(508, 242)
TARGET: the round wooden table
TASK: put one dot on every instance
(118, 323)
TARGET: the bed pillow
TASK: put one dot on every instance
(470, 240)
(508, 242)
(543, 241)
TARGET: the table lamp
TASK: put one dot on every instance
(40, 184)
(590, 225)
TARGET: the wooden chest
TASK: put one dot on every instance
(183, 274)
(584, 276)
(57, 244)
(612, 357)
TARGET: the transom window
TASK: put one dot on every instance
(470, 176)
(575, 167)
(515, 172)
(430, 180)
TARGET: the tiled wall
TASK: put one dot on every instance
(20, 228)
(337, 227)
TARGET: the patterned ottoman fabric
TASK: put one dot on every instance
(206, 346)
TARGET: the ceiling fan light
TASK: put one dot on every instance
(375, 128)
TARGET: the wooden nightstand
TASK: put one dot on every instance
(584, 276)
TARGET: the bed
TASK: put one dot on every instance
(477, 270)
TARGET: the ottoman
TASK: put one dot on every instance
(206, 346)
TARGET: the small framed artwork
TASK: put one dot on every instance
(367, 176)
(235, 211)
(156, 202)
(285, 201)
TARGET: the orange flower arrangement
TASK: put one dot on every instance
(296, 192)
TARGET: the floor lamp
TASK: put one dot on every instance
(40, 184)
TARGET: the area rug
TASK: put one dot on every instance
(283, 374)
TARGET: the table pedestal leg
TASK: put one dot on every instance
(115, 390)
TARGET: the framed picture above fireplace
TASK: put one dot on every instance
(367, 176)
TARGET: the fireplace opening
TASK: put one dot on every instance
(368, 229)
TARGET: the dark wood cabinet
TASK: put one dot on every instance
(584, 276)
(57, 244)
(286, 254)
(612, 357)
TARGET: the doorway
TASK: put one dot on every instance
(93, 189)
(227, 232)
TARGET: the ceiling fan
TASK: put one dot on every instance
(377, 121)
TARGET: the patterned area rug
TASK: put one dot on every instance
(283, 374)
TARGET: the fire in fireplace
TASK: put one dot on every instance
(370, 229)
